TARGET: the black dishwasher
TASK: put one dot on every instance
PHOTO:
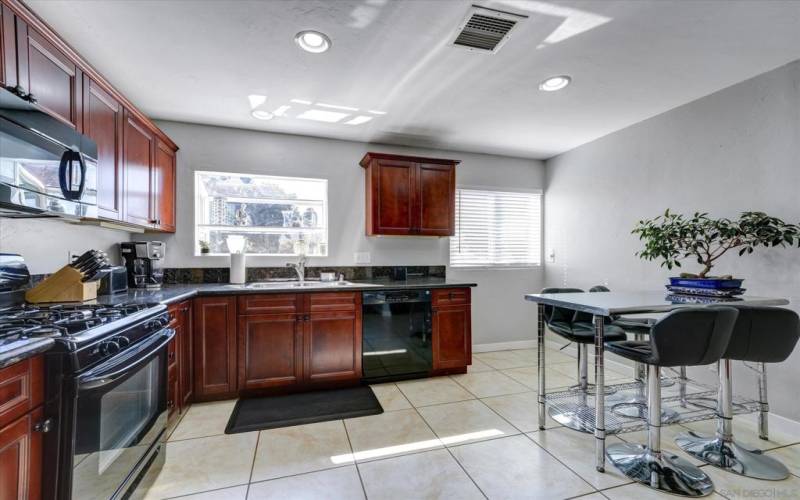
(397, 335)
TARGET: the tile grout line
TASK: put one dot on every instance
(596, 490)
(355, 462)
(449, 452)
(253, 465)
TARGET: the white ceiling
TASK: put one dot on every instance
(197, 61)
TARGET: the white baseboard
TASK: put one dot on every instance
(504, 346)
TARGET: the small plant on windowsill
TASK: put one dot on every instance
(673, 237)
(204, 248)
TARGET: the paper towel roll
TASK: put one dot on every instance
(238, 269)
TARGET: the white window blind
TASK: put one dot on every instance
(497, 228)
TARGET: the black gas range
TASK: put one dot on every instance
(105, 391)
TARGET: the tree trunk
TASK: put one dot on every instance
(705, 271)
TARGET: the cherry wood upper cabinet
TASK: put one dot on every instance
(436, 199)
(163, 190)
(8, 48)
(103, 120)
(138, 152)
(49, 77)
(409, 195)
(451, 329)
(215, 374)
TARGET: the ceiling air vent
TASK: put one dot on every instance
(485, 29)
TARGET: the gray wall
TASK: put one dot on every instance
(46, 243)
(499, 313)
(735, 150)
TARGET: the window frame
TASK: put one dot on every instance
(495, 266)
(198, 208)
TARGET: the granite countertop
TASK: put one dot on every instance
(170, 294)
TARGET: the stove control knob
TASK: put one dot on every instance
(109, 347)
(123, 341)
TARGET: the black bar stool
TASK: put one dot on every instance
(761, 335)
(575, 327)
(686, 337)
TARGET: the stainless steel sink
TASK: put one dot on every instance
(274, 285)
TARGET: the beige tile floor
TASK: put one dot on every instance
(460, 437)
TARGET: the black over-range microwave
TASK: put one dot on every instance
(47, 168)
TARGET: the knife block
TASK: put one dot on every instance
(63, 286)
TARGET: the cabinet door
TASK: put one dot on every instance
(8, 48)
(173, 391)
(102, 121)
(48, 75)
(163, 190)
(391, 197)
(451, 337)
(138, 146)
(270, 351)
(21, 388)
(21, 458)
(332, 337)
(435, 200)
(214, 347)
(185, 356)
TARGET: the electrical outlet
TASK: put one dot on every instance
(551, 255)
(362, 258)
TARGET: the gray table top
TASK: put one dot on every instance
(611, 303)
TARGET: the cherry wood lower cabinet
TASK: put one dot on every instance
(318, 344)
(452, 329)
(214, 329)
(270, 351)
(332, 338)
(21, 426)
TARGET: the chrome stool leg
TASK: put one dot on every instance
(650, 465)
(721, 450)
(763, 404)
(636, 406)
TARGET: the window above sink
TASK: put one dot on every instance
(274, 216)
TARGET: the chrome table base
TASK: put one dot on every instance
(732, 457)
(662, 471)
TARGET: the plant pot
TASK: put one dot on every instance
(707, 283)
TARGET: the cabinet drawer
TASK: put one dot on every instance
(21, 388)
(277, 303)
(174, 314)
(332, 301)
(450, 297)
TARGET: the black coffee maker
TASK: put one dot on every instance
(144, 261)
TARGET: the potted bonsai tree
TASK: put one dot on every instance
(673, 237)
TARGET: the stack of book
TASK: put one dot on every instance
(704, 290)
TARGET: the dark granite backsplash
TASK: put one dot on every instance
(181, 275)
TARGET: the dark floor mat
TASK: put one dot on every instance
(303, 408)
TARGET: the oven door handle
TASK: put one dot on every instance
(143, 356)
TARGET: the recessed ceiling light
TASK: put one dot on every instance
(555, 83)
(358, 120)
(322, 116)
(313, 41)
(262, 114)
